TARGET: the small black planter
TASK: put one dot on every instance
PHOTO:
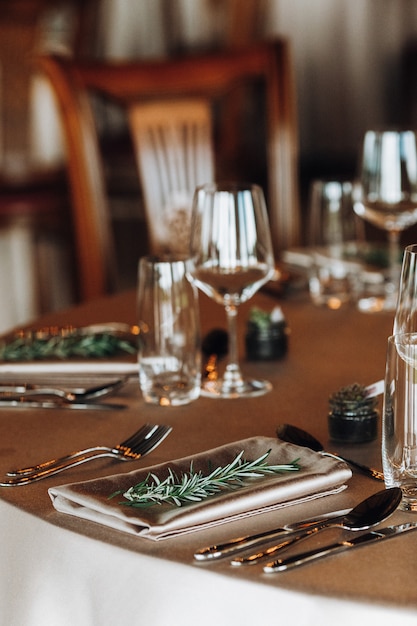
(353, 421)
(266, 344)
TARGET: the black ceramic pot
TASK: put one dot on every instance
(353, 421)
(266, 344)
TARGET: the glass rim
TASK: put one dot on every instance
(229, 185)
(402, 337)
(395, 130)
(159, 259)
(411, 248)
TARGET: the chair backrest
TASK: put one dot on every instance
(211, 77)
(173, 147)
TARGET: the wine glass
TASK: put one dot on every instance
(386, 196)
(231, 258)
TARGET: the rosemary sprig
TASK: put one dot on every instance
(97, 345)
(194, 486)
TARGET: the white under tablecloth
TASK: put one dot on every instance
(72, 580)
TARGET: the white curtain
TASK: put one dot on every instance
(347, 56)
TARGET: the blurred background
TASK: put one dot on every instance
(355, 68)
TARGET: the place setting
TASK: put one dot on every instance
(176, 369)
(68, 367)
(217, 487)
(230, 259)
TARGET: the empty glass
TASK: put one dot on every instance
(405, 320)
(169, 337)
(332, 234)
(399, 423)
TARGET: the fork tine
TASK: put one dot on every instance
(151, 442)
(144, 431)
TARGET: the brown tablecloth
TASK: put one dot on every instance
(327, 350)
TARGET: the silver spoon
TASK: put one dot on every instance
(300, 437)
(364, 515)
(16, 392)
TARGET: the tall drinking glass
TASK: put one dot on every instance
(405, 320)
(399, 421)
(231, 258)
(386, 196)
(332, 234)
(169, 340)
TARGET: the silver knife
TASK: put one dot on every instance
(388, 532)
(34, 404)
(232, 546)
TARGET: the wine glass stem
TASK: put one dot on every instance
(393, 258)
(232, 377)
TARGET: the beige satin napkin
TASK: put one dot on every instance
(68, 368)
(120, 365)
(319, 476)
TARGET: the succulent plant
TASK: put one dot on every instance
(352, 397)
(265, 319)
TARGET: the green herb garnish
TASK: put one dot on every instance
(96, 345)
(194, 486)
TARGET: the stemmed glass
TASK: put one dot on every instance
(231, 258)
(386, 196)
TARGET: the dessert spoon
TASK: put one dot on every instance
(363, 516)
(238, 544)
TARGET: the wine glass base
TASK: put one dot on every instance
(246, 389)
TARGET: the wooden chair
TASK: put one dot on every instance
(267, 66)
(174, 152)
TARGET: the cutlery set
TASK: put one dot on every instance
(41, 396)
(366, 514)
(388, 532)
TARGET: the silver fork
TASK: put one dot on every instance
(11, 391)
(139, 444)
(145, 431)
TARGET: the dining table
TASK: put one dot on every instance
(60, 570)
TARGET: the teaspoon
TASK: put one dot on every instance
(364, 515)
(300, 437)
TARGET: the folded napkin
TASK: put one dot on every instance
(319, 476)
(68, 367)
(48, 343)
